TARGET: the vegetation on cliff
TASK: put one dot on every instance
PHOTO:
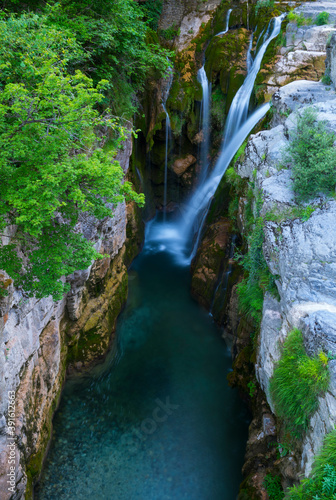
(312, 156)
(321, 484)
(297, 382)
(69, 76)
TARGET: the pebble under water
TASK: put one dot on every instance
(157, 420)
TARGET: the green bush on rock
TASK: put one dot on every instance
(321, 485)
(273, 487)
(322, 18)
(297, 382)
(312, 156)
(66, 71)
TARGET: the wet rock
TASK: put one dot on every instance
(181, 165)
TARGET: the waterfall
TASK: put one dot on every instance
(168, 140)
(227, 23)
(204, 125)
(182, 237)
(168, 137)
(240, 104)
(249, 58)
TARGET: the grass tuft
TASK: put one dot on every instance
(297, 382)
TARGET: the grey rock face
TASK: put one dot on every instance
(31, 345)
(312, 9)
(303, 56)
(302, 254)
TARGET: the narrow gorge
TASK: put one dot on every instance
(168, 250)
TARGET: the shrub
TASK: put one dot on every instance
(299, 19)
(297, 382)
(322, 18)
(312, 156)
(258, 277)
(170, 33)
(321, 484)
(273, 487)
(264, 4)
(326, 79)
(152, 10)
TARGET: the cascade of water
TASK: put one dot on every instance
(236, 129)
(240, 104)
(227, 24)
(182, 237)
(249, 58)
(168, 134)
(204, 126)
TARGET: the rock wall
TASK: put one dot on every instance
(301, 254)
(40, 338)
(188, 16)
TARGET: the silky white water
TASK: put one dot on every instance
(168, 139)
(181, 237)
(227, 24)
(204, 125)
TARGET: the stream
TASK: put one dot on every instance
(157, 420)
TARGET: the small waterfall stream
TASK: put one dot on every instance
(227, 24)
(168, 140)
(204, 125)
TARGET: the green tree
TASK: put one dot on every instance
(53, 161)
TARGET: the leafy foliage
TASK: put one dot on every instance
(258, 278)
(152, 10)
(297, 382)
(58, 135)
(299, 19)
(312, 156)
(322, 18)
(117, 45)
(321, 485)
(263, 4)
(273, 487)
(170, 33)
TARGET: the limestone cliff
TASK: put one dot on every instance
(40, 338)
(301, 254)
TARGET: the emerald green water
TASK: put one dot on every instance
(157, 420)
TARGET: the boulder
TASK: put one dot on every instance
(181, 165)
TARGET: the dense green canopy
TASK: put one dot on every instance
(69, 74)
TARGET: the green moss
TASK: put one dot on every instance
(94, 337)
(135, 230)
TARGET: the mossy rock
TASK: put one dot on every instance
(158, 153)
(225, 52)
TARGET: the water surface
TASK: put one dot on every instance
(157, 420)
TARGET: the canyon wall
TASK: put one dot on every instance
(41, 338)
(300, 252)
